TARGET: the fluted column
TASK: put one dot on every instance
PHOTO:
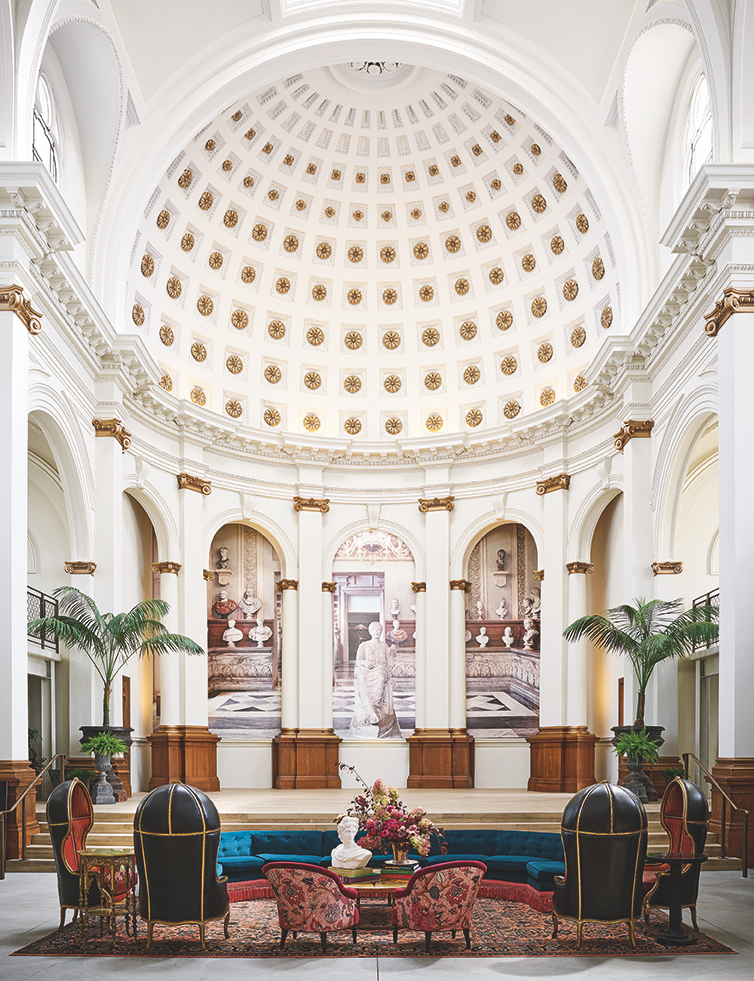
(420, 656)
(312, 680)
(459, 588)
(170, 664)
(577, 665)
(289, 655)
(327, 665)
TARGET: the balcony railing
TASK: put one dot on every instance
(39, 605)
(707, 599)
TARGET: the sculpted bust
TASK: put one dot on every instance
(349, 855)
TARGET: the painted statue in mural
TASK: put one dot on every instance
(536, 606)
(508, 638)
(482, 637)
(224, 559)
(232, 635)
(223, 607)
(395, 608)
(250, 605)
(529, 634)
(479, 610)
(526, 607)
(397, 635)
(500, 561)
(502, 609)
(260, 633)
(373, 688)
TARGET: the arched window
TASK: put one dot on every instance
(46, 137)
(698, 141)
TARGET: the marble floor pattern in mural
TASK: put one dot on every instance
(245, 714)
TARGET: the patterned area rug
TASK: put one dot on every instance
(500, 929)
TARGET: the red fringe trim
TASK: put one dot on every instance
(240, 892)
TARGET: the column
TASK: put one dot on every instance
(459, 589)
(284, 745)
(167, 748)
(577, 671)
(328, 589)
(420, 654)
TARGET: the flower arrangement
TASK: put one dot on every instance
(387, 821)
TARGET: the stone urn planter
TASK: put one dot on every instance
(120, 732)
(637, 781)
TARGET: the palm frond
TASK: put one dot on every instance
(169, 644)
(601, 631)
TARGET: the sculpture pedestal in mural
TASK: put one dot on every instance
(184, 754)
(241, 669)
(562, 759)
(441, 758)
(736, 776)
(305, 759)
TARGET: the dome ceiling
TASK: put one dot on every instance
(420, 258)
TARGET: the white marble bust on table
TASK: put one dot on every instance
(232, 635)
(349, 855)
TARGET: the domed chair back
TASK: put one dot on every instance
(604, 832)
(176, 840)
(70, 817)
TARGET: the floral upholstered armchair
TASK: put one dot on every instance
(439, 897)
(311, 900)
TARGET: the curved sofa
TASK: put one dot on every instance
(533, 857)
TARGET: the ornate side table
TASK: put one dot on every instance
(108, 867)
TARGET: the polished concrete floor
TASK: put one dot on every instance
(28, 911)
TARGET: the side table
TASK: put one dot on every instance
(108, 867)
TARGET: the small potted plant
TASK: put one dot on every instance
(103, 746)
(638, 748)
(671, 772)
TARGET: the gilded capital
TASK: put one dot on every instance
(560, 482)
(538, 575)
(329, 587)
(586, 568)
(198, 484)
(174, 567)
(667, 568)
(208, 575)
(435, 504)
(311, 504)
(419, 587)
(287, 584)
(461, 584)
(12, 300)
(733, 301)
(74, 568)
(633, 429)
(114, 428)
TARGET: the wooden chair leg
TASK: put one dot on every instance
(427, 940)
(467, 935)
(693, 917)
(395, 934)
(631, 933)
(283, 935)
(579, 927)
(554, 927)
(75, 915)
(226, 924)
(646, 918)
(150, 927)
(62, 917)
(323, 941)
(353, 934)
(201, 936)
(295, 934)
(452, 935)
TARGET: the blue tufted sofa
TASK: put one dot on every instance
(533, 857)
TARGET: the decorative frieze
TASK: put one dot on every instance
(436, 504)
(287, 584)
(561, 482)
(461, 584)
(419, 587)
(667, 568)
(633, 429)
(12, 301)
(586, 568)
(733, 301)
(174, 567)
(538, 575)
(208, 575)
(329, 587)
(198, 484)
(80, 568)
(114, 428)
(311, 504)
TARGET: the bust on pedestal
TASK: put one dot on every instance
(349, 855)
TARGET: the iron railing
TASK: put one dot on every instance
(712, 598)
(38, 605)
(4, 814)
(725, 800)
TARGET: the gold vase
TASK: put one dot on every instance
(399, 854)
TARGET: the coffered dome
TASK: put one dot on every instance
(371, 255)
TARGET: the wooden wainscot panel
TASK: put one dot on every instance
(562, 759)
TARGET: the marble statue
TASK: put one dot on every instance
(232, 635)
(502, 609)
(500, 561)
(482, 637)
(397, 634)
(260, 633)
(395, 608)
(223, 607)
(529, 634)
(224, 561)
(508, 638)
(349, 855)
(536, 606)
(250, 605)
(373, 688)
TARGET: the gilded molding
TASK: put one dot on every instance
(12, 301)
(633, 429)
(419, 587)
(198, 484)
(174, 567)
(733, 301)
(287, 584)
(667, 568)
(329, 587)
(311, 504)
(561, 482)
(587, 568)
(114, 428)
(436, 504)
(208, 575)
(463, 584)
(538, 575)
(80, 568)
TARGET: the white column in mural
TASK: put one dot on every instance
(457, 674)
(577, 674)
(437, 659)
(327, 654)
(420, 655)
(192, 605)
(170, 664)
(313, 681)
(554, 610)
(289, 655)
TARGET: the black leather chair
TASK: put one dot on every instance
(70, 817)
(176, 839)
(685, 816)
(604, 832)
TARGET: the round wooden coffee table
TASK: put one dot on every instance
(379, 890)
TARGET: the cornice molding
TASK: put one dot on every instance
(12, 301)
(560, 482)
(329, 587)
(198, 484)
(667, 568)
(419, 587)
(633, 429)
(287, 584)
(435, 504)
(461, 584)
(587, 568)
(733, 301)
(114, 428)
(75, 568)
(311, 504)
(161, 567)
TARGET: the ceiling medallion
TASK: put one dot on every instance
(358, 215)
(578, 336)
(163, 219)
(472, 375)
(248, 181)
(234, 364)
(352, 426)
(579, 383)
(462, 286)
(518, 169)
(421, 250)
(236, 115)
(513, 220)
(384, 178)
(205, 201)
(216, 260)
(166, 382)
(361, 178)
(496, 184)
(185, 179)
(391, 339)
(470, 197)
(508, 365)
(484, 233)
(240, 319)
(538, 203)
(389, 296)
(393, 426)
(352, 384)
(147, 265)
(311, 169)
(539, 306)
(273, 374)
(173, 287)
(434, 170)
(288, 159)
(166, 335)
(272, 417)
(467, 330)
(248, 274)
(276, 329)
(598, 268)
(476, 150)
(557, 244)
(259, 233)
(354, 296)
(495, 136)
(547, 396)
(311, 422)
(233, 408)
(545, 352)
(535, 149)
(456, 161)
(227, 165)
(335, 175)
(267, 148)
(283, 285)
(416, 213)
(474, 417)
(290, 243)
(452, 243)
(582, 223)
(509, 119)
(198, 351)
(433, 380)
(204, 305)
(496, 275)
(434, 422)
(315, 336)
(353, 340)
(528, 262)
(355, 254)
(323, 250)
(387, 253)
(443, 206)
(250, 134)
(426, 293)
(197, 396)
(410, 176)
(301, 204)
(392, 383)
(187, 242)
(570, 289)
(560, 184)
(431, 336)
(387, 215)
(312, 379)
(504, 319)
(319, 292)
(606, 317)
(511, 409)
